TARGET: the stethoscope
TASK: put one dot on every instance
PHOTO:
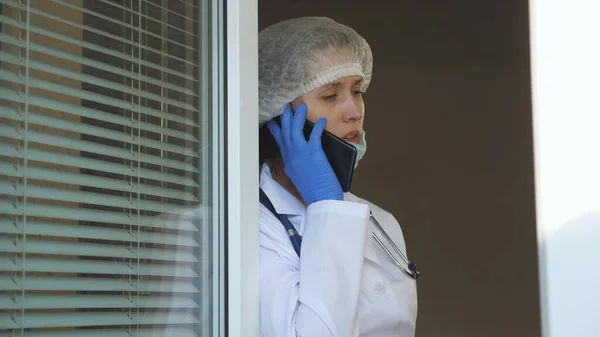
(410, 268)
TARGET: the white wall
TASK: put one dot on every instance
(565, 46)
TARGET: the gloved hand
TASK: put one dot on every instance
(304, 161)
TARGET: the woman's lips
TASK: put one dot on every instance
(352, 137)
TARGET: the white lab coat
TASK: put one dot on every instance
(345, 284)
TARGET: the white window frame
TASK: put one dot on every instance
(242, 167)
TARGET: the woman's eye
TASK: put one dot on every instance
(329, 97)
(359, 93)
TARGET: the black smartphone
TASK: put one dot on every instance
(340, 153)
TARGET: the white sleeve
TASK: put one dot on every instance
(318, 297)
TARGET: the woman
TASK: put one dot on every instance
(341, 282)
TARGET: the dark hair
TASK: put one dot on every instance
(268, 150)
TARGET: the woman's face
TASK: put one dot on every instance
(341, 103)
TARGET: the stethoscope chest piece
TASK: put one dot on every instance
(414, 273)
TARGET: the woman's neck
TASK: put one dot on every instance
(278, 174)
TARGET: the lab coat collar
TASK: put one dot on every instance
(283, 201)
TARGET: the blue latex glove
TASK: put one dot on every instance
(304, 161)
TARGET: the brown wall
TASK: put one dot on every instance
(450, 152)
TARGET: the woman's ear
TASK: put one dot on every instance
(296, 103)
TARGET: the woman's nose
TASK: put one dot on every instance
(353, 111)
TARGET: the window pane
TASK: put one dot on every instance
(107, 224)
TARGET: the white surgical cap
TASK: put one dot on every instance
(299, 55)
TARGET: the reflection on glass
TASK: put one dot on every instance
(104, 204)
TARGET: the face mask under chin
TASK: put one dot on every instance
(361, 148)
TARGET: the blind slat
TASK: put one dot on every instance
(140, 15)
(75, 248)
(142, 332)
(161, 8)
(90, 96)
(104, 17)
(94, 164)
(101, 32)
(80, 319)
(99, 115)
(92, 147)
(78, 76)
(94, 232)
(38, 301)
(81, 214)
(94, 47)
(87, 266)
(49, 283)
(76, 127)
(93, 181)
(80, 197)
(36, 47)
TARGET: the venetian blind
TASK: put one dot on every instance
(102, 171)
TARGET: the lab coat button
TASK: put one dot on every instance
(380, 288)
